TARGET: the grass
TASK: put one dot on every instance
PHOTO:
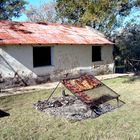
(26, 123)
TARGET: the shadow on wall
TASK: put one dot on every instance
(9, 66)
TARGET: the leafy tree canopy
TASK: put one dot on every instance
(126, 33)
(89, 12)
(11, 8)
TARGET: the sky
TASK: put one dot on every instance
(30, 2)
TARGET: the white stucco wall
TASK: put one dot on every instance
(79, 56)
(63, 57)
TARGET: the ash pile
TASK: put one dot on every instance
(69, 107)
(72, 108)
(91, 98)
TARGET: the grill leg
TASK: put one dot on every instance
(117, 101)
(63, 93)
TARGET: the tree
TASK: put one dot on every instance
(126, 36)
(95, 13)
(11, 8)
(45, 12)
(128, 44)
(70, 12)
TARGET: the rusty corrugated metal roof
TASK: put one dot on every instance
(47, 34)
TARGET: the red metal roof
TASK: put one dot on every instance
(47, 34)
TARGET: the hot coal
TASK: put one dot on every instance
(72, 108)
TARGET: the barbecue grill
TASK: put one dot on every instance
(92, 92)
